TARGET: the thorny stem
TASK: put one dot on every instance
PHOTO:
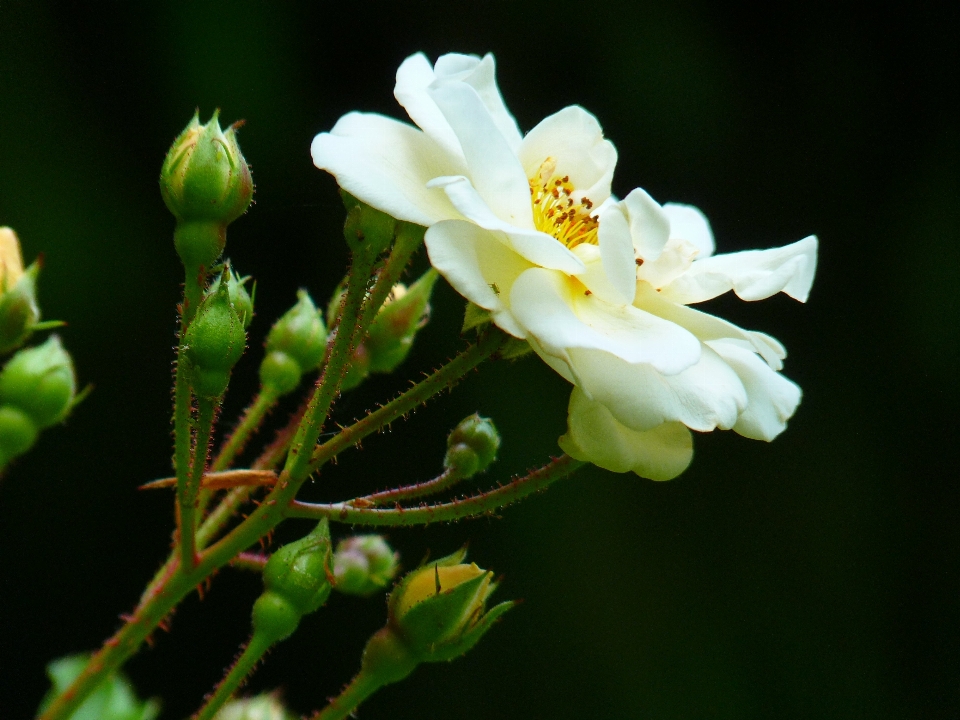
(472, 506)
(252, 417)
(241, 669)
(448, 478)
(187, 496)
(409, 239)
(360, 688)
(255, 562)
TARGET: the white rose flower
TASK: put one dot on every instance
(525, 227)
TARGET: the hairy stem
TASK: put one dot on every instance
(448, 478)
(242, 668)
(360, 688)
(473, 506)
(252, 418)
(187, 494)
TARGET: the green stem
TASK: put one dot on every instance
(360, 688)
(241, 669)
(207, 411)
(175, 581)
(444, 378)
(473, 506)
(448, 478)
(409, 239)
(181, 451)
(252, 418)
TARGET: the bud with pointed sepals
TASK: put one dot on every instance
(206, 184)
(296, 582)
(213, 343)
(368, 231)
(295, 345)
(241, 300)
(40, 382)
(258, 707)
(438, 611)
(391, 334)
(363, 564)
(19, 312)
(472, 446)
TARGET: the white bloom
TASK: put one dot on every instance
(525, 227)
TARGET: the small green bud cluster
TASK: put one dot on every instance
(294, 346)
(437, 612)
(113, 699)
(363, 564)
(258, 707)
(206, 183)
(296, 584)
(241, 300)
(37, 390)
(214, 341)
(391, 334)
(472, 446)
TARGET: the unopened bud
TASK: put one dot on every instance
(472, 446)
(258, 707)
(19, 312)
(40, 382)
(112, 698)
(295, 583)
(295, 345)
(214, 342)
(367, 231)
(363, 564)
(206, 184)
(391, 334)
(241, 300)
(438, 611)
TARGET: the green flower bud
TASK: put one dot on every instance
(19, 312)
(40, 382)
(113, 699)
(214, 341)
(472, 446)
(241, 300)
(363, 564)
(438, 611)
(206, 184)
(392, 332)
(366, 230)
(259, 707)
(295, 582)
(295, 345)
(280, 373)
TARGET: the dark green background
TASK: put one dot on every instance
(814, 577)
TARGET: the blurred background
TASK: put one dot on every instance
(813, 577)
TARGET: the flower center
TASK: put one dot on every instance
(556, 212)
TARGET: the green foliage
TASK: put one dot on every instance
(113, 698)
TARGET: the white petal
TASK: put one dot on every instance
(597, 280)
(752, 275)
(481, 75)
(649, 224)
(616, 249)
(539, 248)
(703, 397)
(573, 138)
(413, 78)
(479, 267)
(674, 260)
(771, 398)
(689, 224)
(387, 164)
(554, 309)
(708, 327)
(493, 167)
(595, 436)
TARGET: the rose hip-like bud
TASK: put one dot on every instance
(241, 300)
(363, 564)
(295, 345)
(472, 446)
(214, 342)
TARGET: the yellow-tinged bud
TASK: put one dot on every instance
(19, 313)
(11, 259)
(438, 611)
(258, 707)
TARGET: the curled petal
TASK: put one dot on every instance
(649, 224)
(705, 396)
(689, 224)
(555, 309)
(595, 436)
(478, 266)
(752, 275)
(493, 167)
(387, 165)
(574, 140)
(771, 398)
(539, 248)
(413, 79)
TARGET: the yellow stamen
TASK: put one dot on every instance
(557, 212)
